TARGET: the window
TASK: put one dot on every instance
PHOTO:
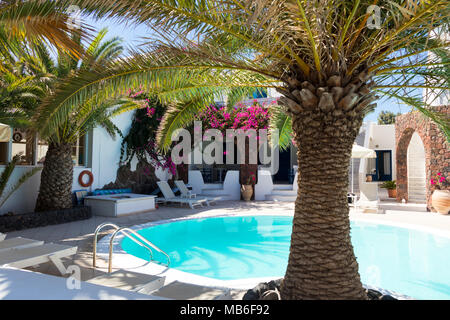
(33, 150)
(79, 152)
(371, 166)
(23, 144)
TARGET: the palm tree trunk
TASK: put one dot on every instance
(55, 191)
(322, 264)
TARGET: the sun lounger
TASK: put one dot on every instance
(34, 255)
(368, 199)
(18, 243)
(187, 193)
(169, 196)
(186, 291)
(19, 284)
(2, 236)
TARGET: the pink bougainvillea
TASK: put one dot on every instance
(438, 181)
(242, 117)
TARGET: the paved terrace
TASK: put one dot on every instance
(80, 233)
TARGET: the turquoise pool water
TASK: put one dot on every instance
(411, 262)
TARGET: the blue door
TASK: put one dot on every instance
(383, 165)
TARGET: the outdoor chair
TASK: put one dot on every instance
(28, 285)
(22, 253)
(185, 192)
(2, 236)
(79, 196)
(169, 196)
(20, 284)
(368, 198)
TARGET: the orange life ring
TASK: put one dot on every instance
(90, 181)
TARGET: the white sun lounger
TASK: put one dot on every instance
(169, 196)
(368, 201)
(186, 193)
(18, 243)
(19, 284)
(2, 236)
(34, 255)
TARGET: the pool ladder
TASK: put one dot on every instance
(129, 233)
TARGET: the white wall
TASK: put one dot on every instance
(103, 162)
(378, 137)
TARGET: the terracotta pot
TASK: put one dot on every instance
(247, 191)
(440, 200)
(392, 193)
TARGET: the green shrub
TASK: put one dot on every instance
(390, 185)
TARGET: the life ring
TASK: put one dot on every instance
(90, 181)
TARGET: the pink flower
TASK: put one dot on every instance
(432, 181)
(441, 179)
(438, 173)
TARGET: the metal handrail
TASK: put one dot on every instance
(124, 230)
(116, 227)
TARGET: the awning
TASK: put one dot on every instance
(5, 133)
(361, 152)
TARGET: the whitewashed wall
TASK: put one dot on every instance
(378, 137)
(103, 162)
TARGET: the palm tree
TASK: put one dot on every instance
(329, 61)
(28, 21)
(80, 117)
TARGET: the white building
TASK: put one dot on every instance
(96, 152)
(99, 153)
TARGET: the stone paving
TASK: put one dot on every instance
(80, 233)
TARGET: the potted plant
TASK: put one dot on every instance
(391, 187)
(440, 199)
(247, 187)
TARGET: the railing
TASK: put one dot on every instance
(124, 230)
(131, 234)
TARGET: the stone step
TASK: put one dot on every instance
(222, 196)
(281, 198)
(282, 187)
(131, 281)
(409, 206)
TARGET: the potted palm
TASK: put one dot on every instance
(440, 199)
(391, 187)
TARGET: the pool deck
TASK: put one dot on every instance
(80, 233)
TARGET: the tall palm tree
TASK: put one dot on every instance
(80, 117)
(331, 60)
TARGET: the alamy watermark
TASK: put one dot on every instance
(74, 17)
(73, 282)
(208, 147)
(374, 21)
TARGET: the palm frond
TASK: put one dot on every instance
(282, 122)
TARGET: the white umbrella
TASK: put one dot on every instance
(360, 153)
(5, 133)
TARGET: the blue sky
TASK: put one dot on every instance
(133, 36)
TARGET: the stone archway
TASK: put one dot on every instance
(436, 149)
(416, 170)
(402, 161)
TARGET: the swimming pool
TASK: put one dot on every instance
(407, 261)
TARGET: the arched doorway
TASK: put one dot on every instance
(416, 170)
